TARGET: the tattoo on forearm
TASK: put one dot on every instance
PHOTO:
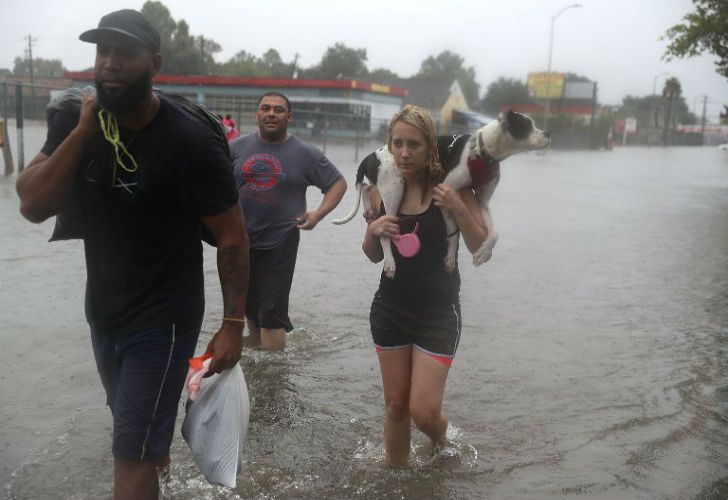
(232, 264)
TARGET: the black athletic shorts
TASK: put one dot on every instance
(271, 276)
(143, 374)
(434, 330)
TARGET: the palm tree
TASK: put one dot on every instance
(670, 93)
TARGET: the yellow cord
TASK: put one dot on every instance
(110, 128)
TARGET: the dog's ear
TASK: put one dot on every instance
(520, 126)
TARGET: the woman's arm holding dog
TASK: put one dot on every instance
(375, 202)
(385, 226)
(377, 227)
(464, 207)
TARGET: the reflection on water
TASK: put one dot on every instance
(593, 361)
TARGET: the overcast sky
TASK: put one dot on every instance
(614, 42)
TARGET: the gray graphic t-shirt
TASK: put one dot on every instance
(273, 179)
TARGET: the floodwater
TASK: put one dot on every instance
(593, 362)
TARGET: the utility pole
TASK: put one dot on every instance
(548, 71)
(30, 63)
(702, 122)
(294, 69)
(592, 142)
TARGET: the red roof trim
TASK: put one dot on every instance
(232, 81)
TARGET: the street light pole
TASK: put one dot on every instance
(548, 71)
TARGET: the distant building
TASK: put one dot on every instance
(710, 134)
(439, 96)
(344, 107)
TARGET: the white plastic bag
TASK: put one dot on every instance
(216, 425)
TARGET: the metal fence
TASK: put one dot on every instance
(19, 103)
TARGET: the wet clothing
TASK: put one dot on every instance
(422, 280)
(273, 180)
(432, 329)
(420, 306)
(142, 234)
(143, 373)
(144, 289)
(269, 286)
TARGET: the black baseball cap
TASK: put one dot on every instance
(125, 22)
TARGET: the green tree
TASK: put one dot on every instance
(383, 75)
(705, 29)
(573, 77)
(208, 46)
(274, 65)
(450, 65)
(160, 17)
(182, 53)
(340, 61)
(647, 110)
(41, 67)
(504, 91)
(243, 64)
(651, 111)
(670, 93)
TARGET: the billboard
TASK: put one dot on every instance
(546, 85)
(579, 90)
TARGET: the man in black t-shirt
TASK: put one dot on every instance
(142, 174)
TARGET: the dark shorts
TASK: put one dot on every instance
(432, 329)
(143, 374)
(271, 276)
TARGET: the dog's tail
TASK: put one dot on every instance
(354, 209)
(367, 167)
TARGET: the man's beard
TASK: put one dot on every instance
(127, 100)
(273, 136)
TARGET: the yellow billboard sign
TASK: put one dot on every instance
(546, 85)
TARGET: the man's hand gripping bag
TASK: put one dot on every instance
(216, 423)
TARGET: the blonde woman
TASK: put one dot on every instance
(415, 316)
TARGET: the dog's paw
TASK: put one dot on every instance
(389, 270)
(481, 256)
(389, 267)
(485, 252)
(450, 261)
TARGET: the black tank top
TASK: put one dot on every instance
(422, 280)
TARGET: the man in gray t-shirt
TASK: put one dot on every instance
(273, 170)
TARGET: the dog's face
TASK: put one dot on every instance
(512, 133)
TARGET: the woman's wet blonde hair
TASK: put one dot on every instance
(420, 119)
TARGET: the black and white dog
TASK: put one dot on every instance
(469, 161)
